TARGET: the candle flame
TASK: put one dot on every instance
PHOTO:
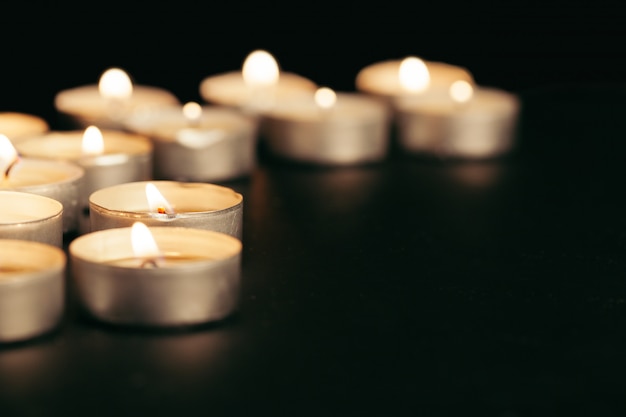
(260, 69)
(8, 155)
(93, 142)
(461, 91)
(192, 111)
(325, 97)
(144, 245)
(413, 74)
(156, 202)
(115, 84)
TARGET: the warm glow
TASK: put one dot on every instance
(414, 75)
(192, 111)
(93, 143)
(461, 91)
(156, 202)
(325, 97)
(144, 245)
(260, 69)
(115, 84)
(8, 154)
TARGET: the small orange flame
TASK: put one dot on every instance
(8, 155)
(144, 246)
(192, 111)
(115, 83)
(260, 69)
(461, 91)
(93, 142)
(413, 74)
(325, 97)
(156, 202)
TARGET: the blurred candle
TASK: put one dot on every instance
(157, 276)
(469, 122)
(32, 289)
(108, 103)
(257, 87)
(329, 128)
(168, 203)
(407, 76)
(16, 125)
(198, 143)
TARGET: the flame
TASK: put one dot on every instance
(115, 84)
(8, 155)
(144, 245)
(260, 69)
(461, 91)
(325, 97)
(156, 202)
(192, 111)
(413, 74)
(93, 143)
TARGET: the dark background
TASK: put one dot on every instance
(407, 288)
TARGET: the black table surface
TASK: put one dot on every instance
(407, 287)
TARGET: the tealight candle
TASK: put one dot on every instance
(157, 276)
(399, 77)
(107, 104)
(198, 143)
(32, 294)
(31, 217)
(108, 157)
(257, 87)
(15, 125)
(59, 180)
(168, 203)
(469, 122)
(329, 128)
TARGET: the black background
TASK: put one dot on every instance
(407, 288)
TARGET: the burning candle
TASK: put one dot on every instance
(257, 87)
(108, 103)
(17, 125)
(393, 78)
(329, 128)
(469, 122)
(198, 143)
(32, 294)
(168, 203)
(158, 276)
(108, 157)
(59, 180)
(31, 217)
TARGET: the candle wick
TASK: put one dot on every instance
(9, 168)
(149, 263)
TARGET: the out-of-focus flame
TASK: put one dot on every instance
(413, 74)
(156, 202)
(260, 69)
(115, 84)
(461, 91)
(192, 111)
(325, 97)
(93, 142)
(8, 155)
(144, 246)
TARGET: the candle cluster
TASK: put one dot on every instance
(131, 191)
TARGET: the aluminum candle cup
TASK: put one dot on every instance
(354, 130)
(59, 180)
(26, 216)
(127, 157)
(84, 105)
(481, 128)
(219, 145)
(17, 125)
(32, 289)
(381, 79)
(197, 279)
(195, 205)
